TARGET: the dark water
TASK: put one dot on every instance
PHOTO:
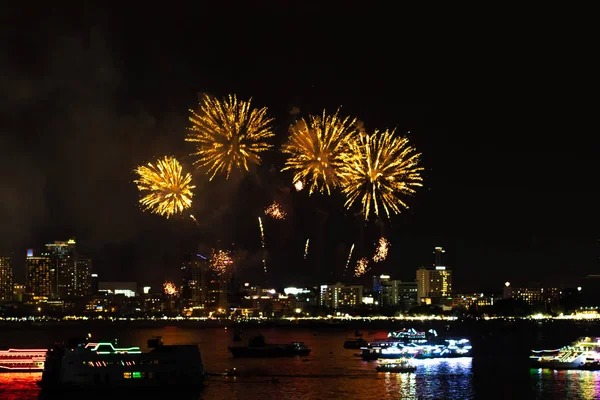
(498, 370)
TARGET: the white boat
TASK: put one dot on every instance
(584, 353)
(22, 360)
(397, 365)
(93, 366)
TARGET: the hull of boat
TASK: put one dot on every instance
(396, 369)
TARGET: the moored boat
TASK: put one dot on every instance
(22, 360)
(101, 366)
(257, 347)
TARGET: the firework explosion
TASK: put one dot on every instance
(362, 266)
(262, 243)
(228, 134)
(170, 288)
(380, 168)
(169, 190)
(275, 211)
(220, 261)
(299, 185)
(382, 250)
(316, 149)
(306, 248)
(349, 258)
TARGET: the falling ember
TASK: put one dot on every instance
(194, 219)
(168, 190)
(220, 261)
(299, 185)
(362, 266)
(170, 288)
(349, 257)
(262, 243)
(275, 211)
(306, 248)
(382, 250)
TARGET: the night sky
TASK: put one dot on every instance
(511, 188)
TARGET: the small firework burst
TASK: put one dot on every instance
(299, 185)
(275, 211)
(362, 266)
(170, 288)
(381, 253)
(220, 261)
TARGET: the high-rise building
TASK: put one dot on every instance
(6, 279)
(194, 286)
(38, 277)
(70, 272)
(340, 295)
(436, 281)
(439, 252)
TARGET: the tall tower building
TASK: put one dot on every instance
(6, 279)
(194, 286)
(70, 272)
(436, 281)
(38, 278)
(439, 252)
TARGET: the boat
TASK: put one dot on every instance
(92, 366)
(22, 360)
(584, 353)
(237, 335)
(257, 347)
(355, 343)
(398, 365)
(416, 344)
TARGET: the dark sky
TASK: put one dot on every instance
(509, 146)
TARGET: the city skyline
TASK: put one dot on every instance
(505, 199)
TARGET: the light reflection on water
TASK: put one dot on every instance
(329, 372)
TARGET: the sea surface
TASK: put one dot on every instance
(498, 370)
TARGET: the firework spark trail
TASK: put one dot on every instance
(170, 288)
(275, 211)
(378, 170)
(382, 250)
(194, 219)
(362, 266)
(220, 261)
(228, 134)
(349, 258)
(316, 149)
(169, 190)
(299, 185)
(262, 243)
(306, 248)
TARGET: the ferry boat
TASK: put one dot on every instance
(22, 360)
(257, 347)
(416, 344)
(398, 365)
(584, 353)
(94, 366)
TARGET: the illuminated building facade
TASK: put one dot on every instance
(38, 275)
(193, 287)
(6, 279)
(70, 271)
(434, 282)
(395, 293)
(340, 295)
(533, 296)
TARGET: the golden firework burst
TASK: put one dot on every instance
(275, 211)
(220, 261)
(169, 190)
(315, 150)
(170, 288)
(362, 266)
(379, 169)
(229, 134)
(381, 252)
